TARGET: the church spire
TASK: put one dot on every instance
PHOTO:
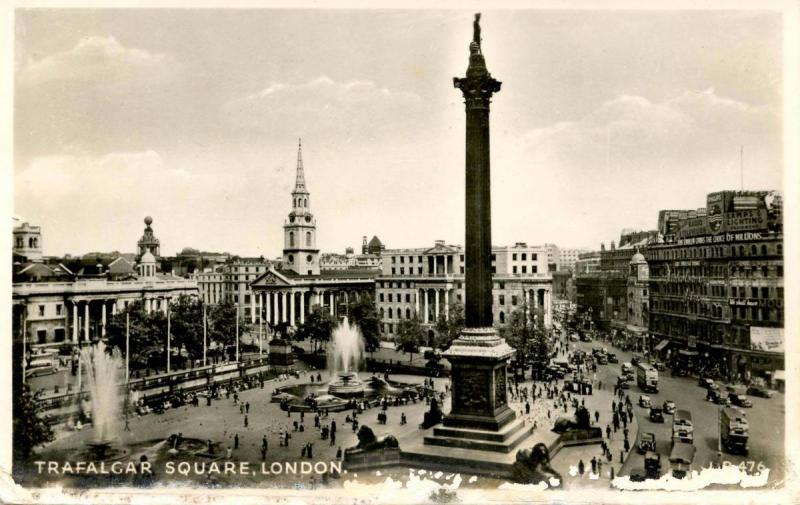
(300, 182)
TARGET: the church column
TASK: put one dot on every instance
(436, 306)
(527, 304)
(333, 302)
(446, 304)
(75, 326)
(416, 302)
(103, 319)
(426, 306)
(302, 308)
(283, 306)
(291, 307)
(275, 313)
(86, 320)
(547, 309)
(259, 307)
(267, 302)
(113, 307)
(252, 308)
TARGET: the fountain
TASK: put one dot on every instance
(344, 355)
(102, 369)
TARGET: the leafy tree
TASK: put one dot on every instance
(410, 336)
(147, 335)
(364, 314)
(222, 324)
(317, 328)
(186, 325)
(30, 429)
(448, 330)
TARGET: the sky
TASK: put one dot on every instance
(193, 117)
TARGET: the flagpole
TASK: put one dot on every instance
(127, 346)
(169, 350)
(205, 332)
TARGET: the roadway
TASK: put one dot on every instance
(766, 419)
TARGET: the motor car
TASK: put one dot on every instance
(635, 359)
(652, 465)
(669, 407)
(40, 370)
(630, 377)
(647, 443)
(740, 400)
(626, 367)
(644, 401)
(718, 397)
(622, 382)
(705, 382)
(659, 365)
(602, 359)
(760, 391)
(656, 415)
(573, 338)
(612, 358)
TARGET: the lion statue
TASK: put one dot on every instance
(368, 441)
(533, 466)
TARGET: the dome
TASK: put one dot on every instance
(148, 220)
(148, 257)
(638, 258)
(375, 242)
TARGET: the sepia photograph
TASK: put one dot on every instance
(401, 254)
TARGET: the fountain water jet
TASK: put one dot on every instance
(102, 372)
(344, 356)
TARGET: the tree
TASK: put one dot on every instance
(317, 328)
(410, 335)
(30, 429)
(364, 314)
(148, 333)
(448, 329)
(186, 325)
(222, 324)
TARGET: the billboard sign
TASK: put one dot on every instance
(766, 339)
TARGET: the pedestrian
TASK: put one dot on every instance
(245, 421)
(229, 452)
(594, 464)
(581, 467)
(339, 453)
(622, 456)
(236, 441)
(241, 408)
(612, 473)
(596, 416)
(625, 432)
(310, 451)
(264, 443)
(303, 450)
(263, 453)
(333, 438)
(600, 467)
(527, 407)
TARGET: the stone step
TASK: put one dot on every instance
(479, 444)
(475, 434)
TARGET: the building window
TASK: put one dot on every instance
(514, 257)
(514, 269)
(393, 272)
(58, 309)
(514, 300)
(502, 299)
(408, 298)
(764, 292)
(291, 239)
(524, 269)
(380, 298)
(533, 269)
(502, 317)
(408, 313)
(524, 256)
(402, 259)
(41, 310)
(390, 311)
(308, 238)
(290, 258)
(494, 269)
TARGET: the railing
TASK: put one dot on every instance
(104, 285)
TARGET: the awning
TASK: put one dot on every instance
(661, 345)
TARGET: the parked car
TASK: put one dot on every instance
(40, 370)
(740, 400)
(644, 401)
(602, 359)
(656, 415)
(760, 391)
(647, 442)
(612, 358)
(622, 382)
(669, 407)
(652, 465)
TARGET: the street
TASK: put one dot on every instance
(767, 430)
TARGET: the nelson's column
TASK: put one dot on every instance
(480, 417)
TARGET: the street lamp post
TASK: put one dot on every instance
(169, 348)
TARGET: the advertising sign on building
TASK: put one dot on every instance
(766, 339)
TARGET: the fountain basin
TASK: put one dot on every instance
(346, 385)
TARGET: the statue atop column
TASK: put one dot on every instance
(476, 29)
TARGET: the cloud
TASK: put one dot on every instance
(92, 58)
(110, 194)
(323, 105)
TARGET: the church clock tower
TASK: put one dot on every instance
(300, 253)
